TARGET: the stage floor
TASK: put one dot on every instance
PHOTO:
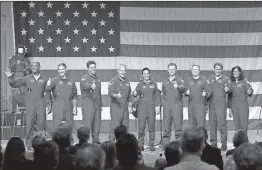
(150, 157)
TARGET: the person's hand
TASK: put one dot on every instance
(74, 111)
(230, 114)
(8, 72)
(226, 88)
(49, 82)
(157, 108)
(49, 108)
(204, 94)
(130, 110)
(93, 86)
(135, 93)
(187, 92)
(175, 85)
(118, 95)
(249, 91)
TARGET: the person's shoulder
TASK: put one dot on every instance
(206, 166)
(145, 167)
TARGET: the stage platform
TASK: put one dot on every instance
(150, 157)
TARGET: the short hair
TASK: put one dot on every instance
(241, 74)
(110, 151)
(122, 65)
(205, 132)
(248, 157)
(240, 137)
(218, 64)
(38, 139)
(229, 163)
(196, 65)
(90, 63)
(172, 153)
(46, 154)
(171, 64)
(120, 131)
(128, 144)
(144, 69)
(37, 62)
(62, 137)
(62, 64)
(90, 157)
(83, 133)
(192, 140)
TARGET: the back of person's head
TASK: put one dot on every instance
(91, 157)
(205, 132)
(127, 150)
(46, 155)
(172, 153)
(83, 134)
(193, 140)
(110, 151)
(14, 152)
(38, 139)
(240, 137)
(229, 163)
(62, 138)
(248, 157)
(120, 131)
(160, 162)
(259, 143)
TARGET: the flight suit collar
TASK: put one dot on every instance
(221, 77)
(91, 75)
(174, 78)
(147, 83)
(32, 76)
(121, 79)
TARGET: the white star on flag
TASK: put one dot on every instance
(93, 49)
(111, 14)
(111, 32)
(102, 23)
(67, 22)
(58, 14)
(58, 31)
(49, 5)
(41, 48)
(59, 48)
(67, 40)
(40, 31)
(49, 22)
(76, 14)
(85, 5)
(31, 22)
(76, 49)
(49, 40)
(31, 5)
(84, 40)
(93, 31)
(102, 5)
(111, 49)
(93, 14)
(67, 5)
(32, 40)
(23, 14)
(102, 40)
(84, 22)
(23, 32)
(41, 14)
(75, 31)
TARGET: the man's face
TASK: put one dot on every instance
(146, 75)
(122, 71)
(20, 51)
(218, 70)
(61, 70)
(92, 69)
(172, 70)
(35, 67)
(236, 73)
(195, 70)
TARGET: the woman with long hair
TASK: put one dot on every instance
(14, 156)
(110, 151)
(241, 90)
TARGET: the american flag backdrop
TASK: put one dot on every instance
(143, 34)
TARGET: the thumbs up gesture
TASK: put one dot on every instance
(226, 88)
(119, 95)
(187, 92)
(175, 85)
(93, 86)
(8, 72)
(49, 82)
(249, 91)
(204, 93)
(135, 93)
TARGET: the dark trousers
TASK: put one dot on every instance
(240, 111)
(196, 114)
(173, 113)
(92, 118)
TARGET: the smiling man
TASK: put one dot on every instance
(65, 97)
(119, 91)
(92, 101)
(35, 101)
